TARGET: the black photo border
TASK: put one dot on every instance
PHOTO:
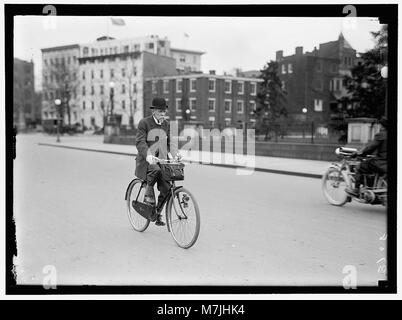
(387, 14)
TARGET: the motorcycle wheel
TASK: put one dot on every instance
(333, 184)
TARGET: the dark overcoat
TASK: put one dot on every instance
(151, 139)
(378, 147)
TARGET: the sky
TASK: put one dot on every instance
(247, 43)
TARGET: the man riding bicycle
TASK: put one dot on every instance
(375, 164)
(153, 142)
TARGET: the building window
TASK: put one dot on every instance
(74, 76)
(211, 85)
(193, 103)
(193, 85)
(111, 73)
(228, 105)
(102, 105)
(153, 86)
(92, 105)
(134, 87)
(337, 84)
(253, 88)
(83, 75)
(182, 58)
(211, 105)
(211, 122)
(334, 67)
(101, 74)
(179, 85)
(126, 49)
(83, 105)
(283, 69)
(165, 86)
(101, 89)
(178, 105)
(252, 107)
(240, 106)
(83, 90)
(151, 45)
(228, 86)
(283, 86)
(123, 72)
(318, 105)
(135, 71)
(123, 104)
(241, 88)
(92, 90)
(123, 88)
(290, 68)
(227, 122)
(92, 74)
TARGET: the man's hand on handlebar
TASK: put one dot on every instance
(151, 159)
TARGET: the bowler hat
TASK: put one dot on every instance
(159, 103)
(384, 122)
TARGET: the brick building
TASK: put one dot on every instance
(213, 101)
(26, 110)
(314, 80)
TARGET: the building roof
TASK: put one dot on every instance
(60, 48)
(203, 75)
(187, 51)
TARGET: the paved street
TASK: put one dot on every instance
(260, 229)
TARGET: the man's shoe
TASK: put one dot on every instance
(159, 221)
(353, 192)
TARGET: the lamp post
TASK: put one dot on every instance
(57, 102)
(111, 85)
(384, 75)
(304, 110)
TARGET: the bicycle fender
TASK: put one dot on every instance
(128, 187)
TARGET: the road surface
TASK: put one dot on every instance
(263, 229)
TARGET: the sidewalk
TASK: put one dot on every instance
(297, 167)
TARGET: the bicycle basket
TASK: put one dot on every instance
(172, 171)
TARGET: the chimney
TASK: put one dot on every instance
(299, 51)
(212, 72)
(279, 55)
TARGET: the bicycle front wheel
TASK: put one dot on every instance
(183, 218)
(138, 222)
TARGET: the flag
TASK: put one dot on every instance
(118, 22)
(186, 35)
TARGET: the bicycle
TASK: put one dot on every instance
(181, 210)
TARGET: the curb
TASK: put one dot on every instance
(285, 172)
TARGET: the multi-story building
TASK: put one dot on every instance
(314, 80)
(113, 83)
(187, 60)
(60, 80)
(213, 101)
(105, 71)
(26, 111)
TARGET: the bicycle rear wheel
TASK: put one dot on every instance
(183, 218)
(138, 222)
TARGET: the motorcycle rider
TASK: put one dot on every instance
(376, 164)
